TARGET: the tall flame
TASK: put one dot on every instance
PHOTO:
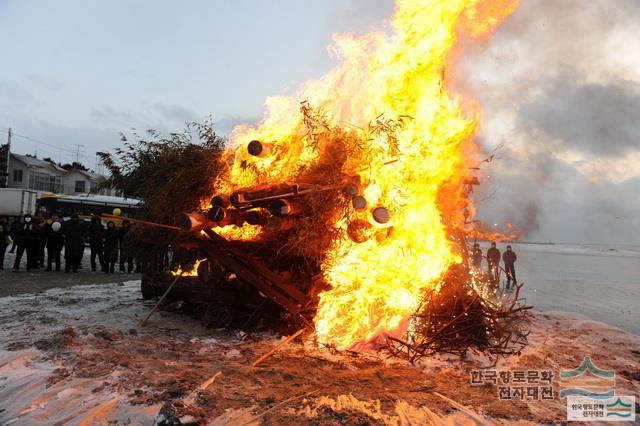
(377, 284)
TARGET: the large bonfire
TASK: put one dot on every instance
(384, 127)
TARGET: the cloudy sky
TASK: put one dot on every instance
(558, 84)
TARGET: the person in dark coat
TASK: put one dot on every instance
(476, 256)
(41, 240)
(493, 261)
(509, 258)
(74, 233)
(55, 242)
(13, 231)
(125, 250)
(4, 239)
(96, 241)
(111, 243)
(26, 239)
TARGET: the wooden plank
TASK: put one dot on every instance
(270, 290)
(254, 265)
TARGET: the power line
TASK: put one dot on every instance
(39, 141)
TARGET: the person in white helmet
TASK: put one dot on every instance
(55, 243)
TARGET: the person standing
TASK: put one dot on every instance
(74, 234)
(4, 239)
(125, 249)
(493, 261)
(41, 239)
(13, 232)
(509, 258)
(111, 242)
(55, 242)
(476, 256)
(96, 238)
(26, 237)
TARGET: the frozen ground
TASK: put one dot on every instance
(78, 355)
(598, 281)
(23, 281)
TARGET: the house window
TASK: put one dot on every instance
(17, 175)
(44, 182)
(80, 186)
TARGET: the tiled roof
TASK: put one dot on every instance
(36, 162)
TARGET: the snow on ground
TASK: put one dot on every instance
(79, 354)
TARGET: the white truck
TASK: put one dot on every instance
(17, 202)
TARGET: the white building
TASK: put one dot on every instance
(32, 173)
(46, 177)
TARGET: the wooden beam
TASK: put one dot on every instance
(234, 264)
(258, 267)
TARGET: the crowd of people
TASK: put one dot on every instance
(493, 263)
(41, 241)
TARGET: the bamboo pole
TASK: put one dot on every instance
(278, 346)
(141, 222)
(162, 298)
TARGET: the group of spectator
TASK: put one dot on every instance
(493, 263)
(35, 236)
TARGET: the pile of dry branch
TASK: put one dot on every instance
(468, 311)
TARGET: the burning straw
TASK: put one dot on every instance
(468, 312)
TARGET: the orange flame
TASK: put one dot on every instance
(376, 284)
(191, 273)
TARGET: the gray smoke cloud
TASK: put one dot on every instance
(559, 89)
(600, 119)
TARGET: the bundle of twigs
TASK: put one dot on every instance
(467, 312)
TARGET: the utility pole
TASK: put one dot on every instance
(98, 165)
(5, 155)
(78, 146)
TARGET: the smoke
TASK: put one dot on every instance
(525, 217)
(559, 89)
(600, 119)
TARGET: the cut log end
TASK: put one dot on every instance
(381, 215)
(220, 201)
(359, 203)
(284, 208)
(257, 148)
(217, 214)
(192, 221)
